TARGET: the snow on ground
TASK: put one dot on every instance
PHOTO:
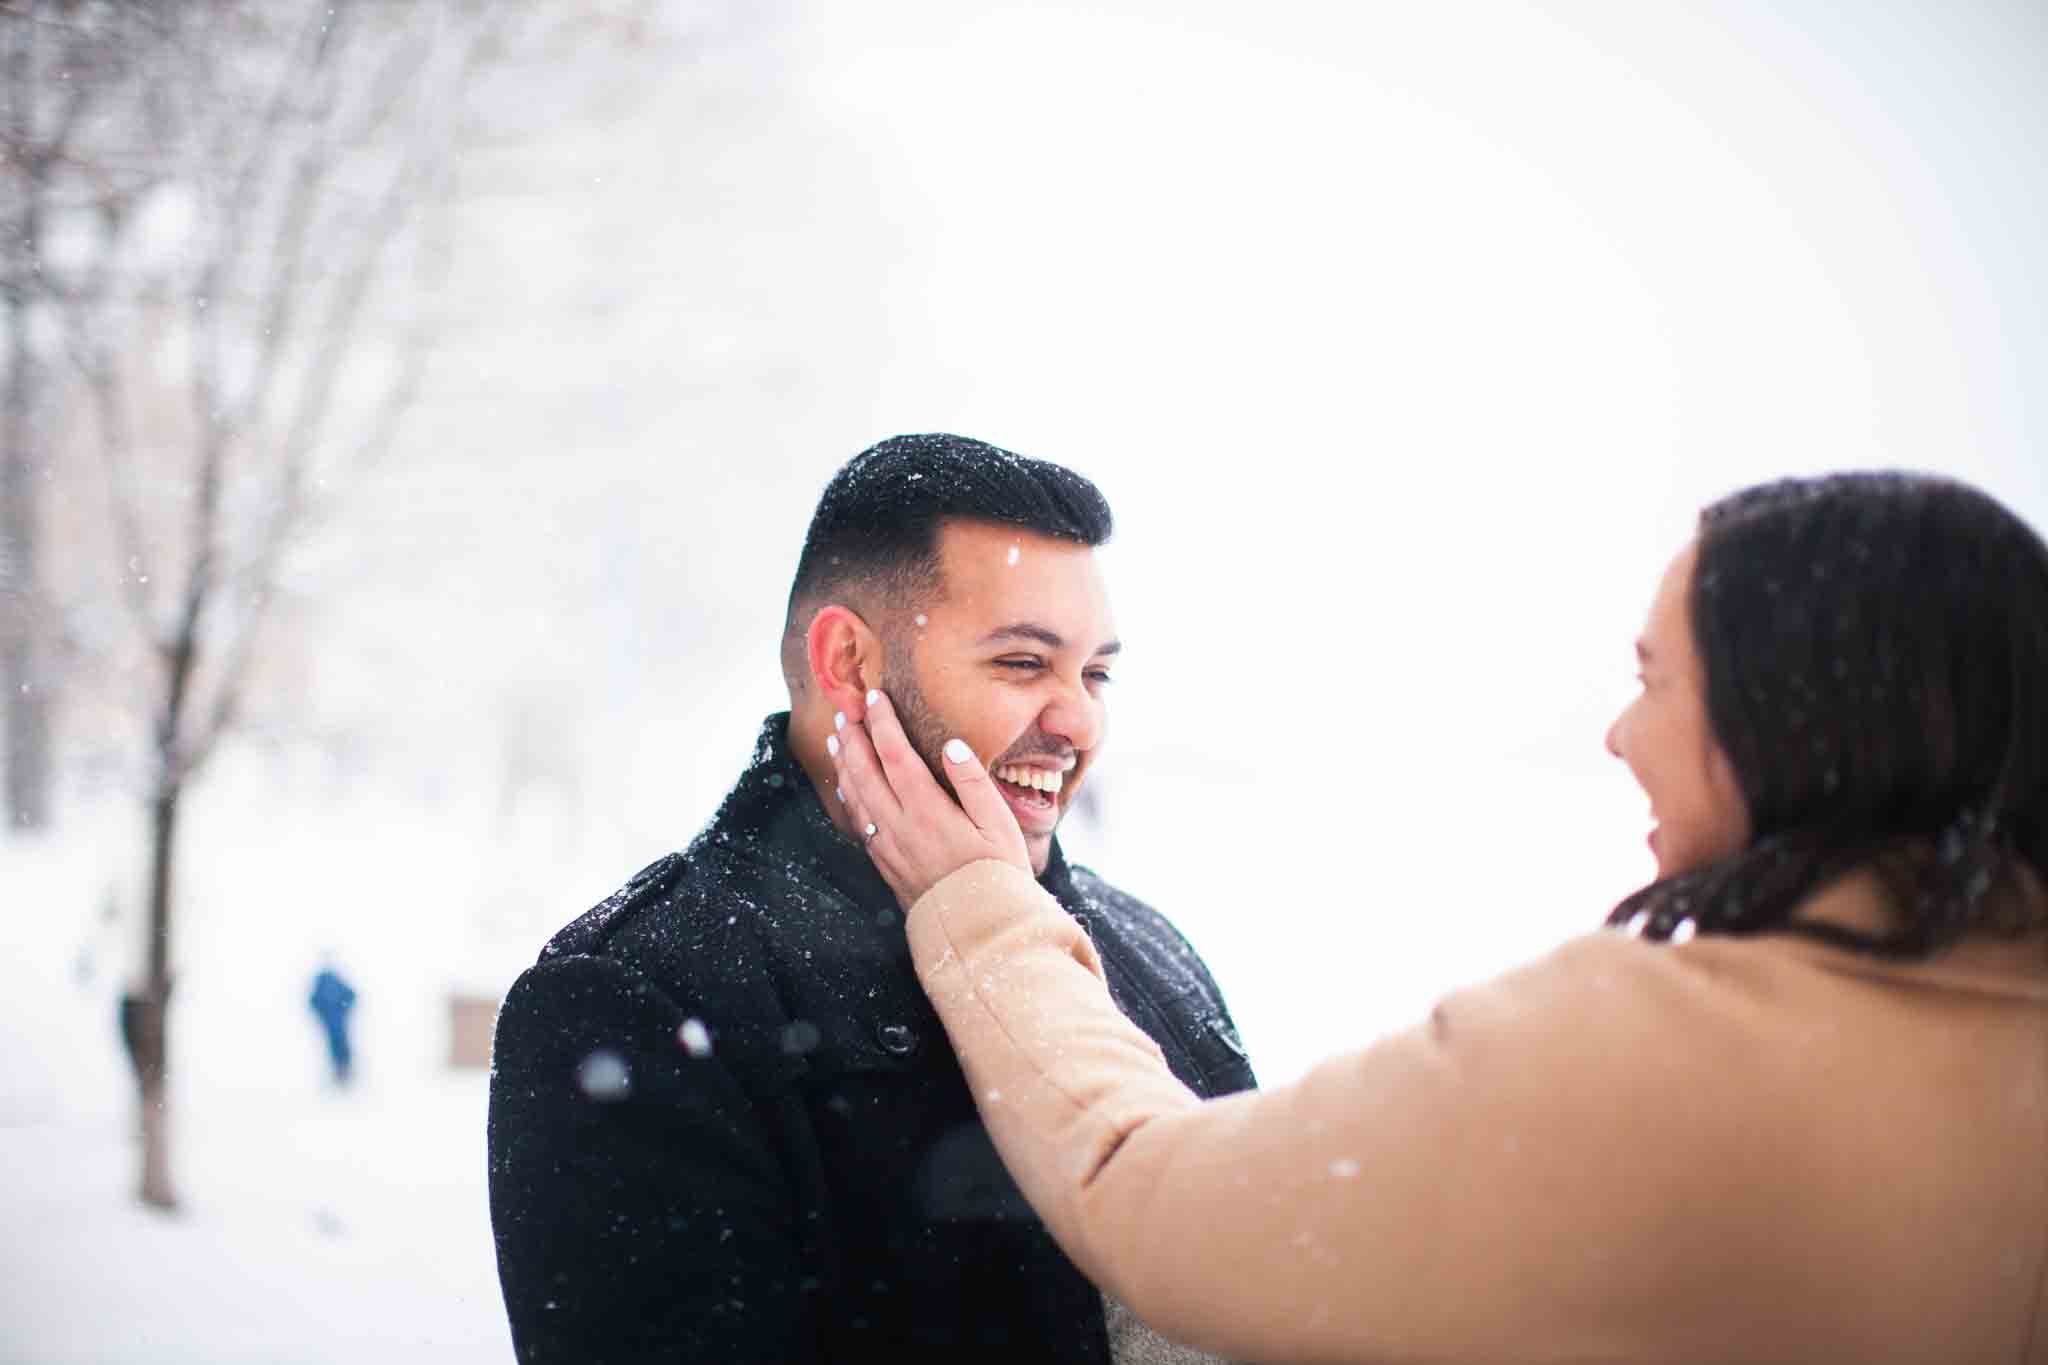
(317, 1228)
(317, 1225)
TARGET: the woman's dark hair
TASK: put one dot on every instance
(1875, 648)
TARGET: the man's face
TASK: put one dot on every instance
(1014, 658)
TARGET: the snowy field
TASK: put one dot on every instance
(317, 1225)
(317, 1228)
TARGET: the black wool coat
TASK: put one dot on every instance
(725, 1124)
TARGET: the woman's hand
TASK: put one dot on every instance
(916, 834)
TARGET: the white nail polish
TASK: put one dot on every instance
(957, 751)
(873, 697)
(840, 792)
(839, 720)
(832, 745)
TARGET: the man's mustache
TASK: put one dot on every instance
(1064, 753)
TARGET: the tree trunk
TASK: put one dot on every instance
(145, 1016)
(25, 717)
(156, 1148)
(26, 713)
(142, 1028)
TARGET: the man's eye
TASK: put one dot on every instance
(1031, 665)
(1100, 675)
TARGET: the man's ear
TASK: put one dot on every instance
(844, 656)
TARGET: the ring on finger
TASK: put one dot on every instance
(868, 835)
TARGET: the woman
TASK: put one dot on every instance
(1794, 1108)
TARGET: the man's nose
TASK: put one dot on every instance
(1075, 717)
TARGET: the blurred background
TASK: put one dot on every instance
(411, 414)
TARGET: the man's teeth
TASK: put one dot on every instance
(1035, 778)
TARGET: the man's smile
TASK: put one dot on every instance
(1032, 788)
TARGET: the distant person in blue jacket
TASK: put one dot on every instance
(332, 999)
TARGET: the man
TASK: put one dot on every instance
(724, 1122)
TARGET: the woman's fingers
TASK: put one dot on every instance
(984, 804)
(920, 795)
(848, 801)
(912, 783)
(861, 777)
(915, 832)
(858, 787)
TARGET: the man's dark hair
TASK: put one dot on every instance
(1875, 648)
(877, 526)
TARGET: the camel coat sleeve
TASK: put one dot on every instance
(1542, 1170)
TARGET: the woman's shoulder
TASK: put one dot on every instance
(1605, 1013)
(1613, 976)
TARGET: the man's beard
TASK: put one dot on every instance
(921, 724)
(928, 733)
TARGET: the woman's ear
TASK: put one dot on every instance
(845, 659)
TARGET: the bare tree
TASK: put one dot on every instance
(223, 233)
(247, 329)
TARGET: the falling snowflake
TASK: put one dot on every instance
(604, 1077)
(695, 1038)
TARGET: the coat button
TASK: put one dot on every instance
(898, 1040)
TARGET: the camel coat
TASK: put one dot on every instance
(1728, 1150)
